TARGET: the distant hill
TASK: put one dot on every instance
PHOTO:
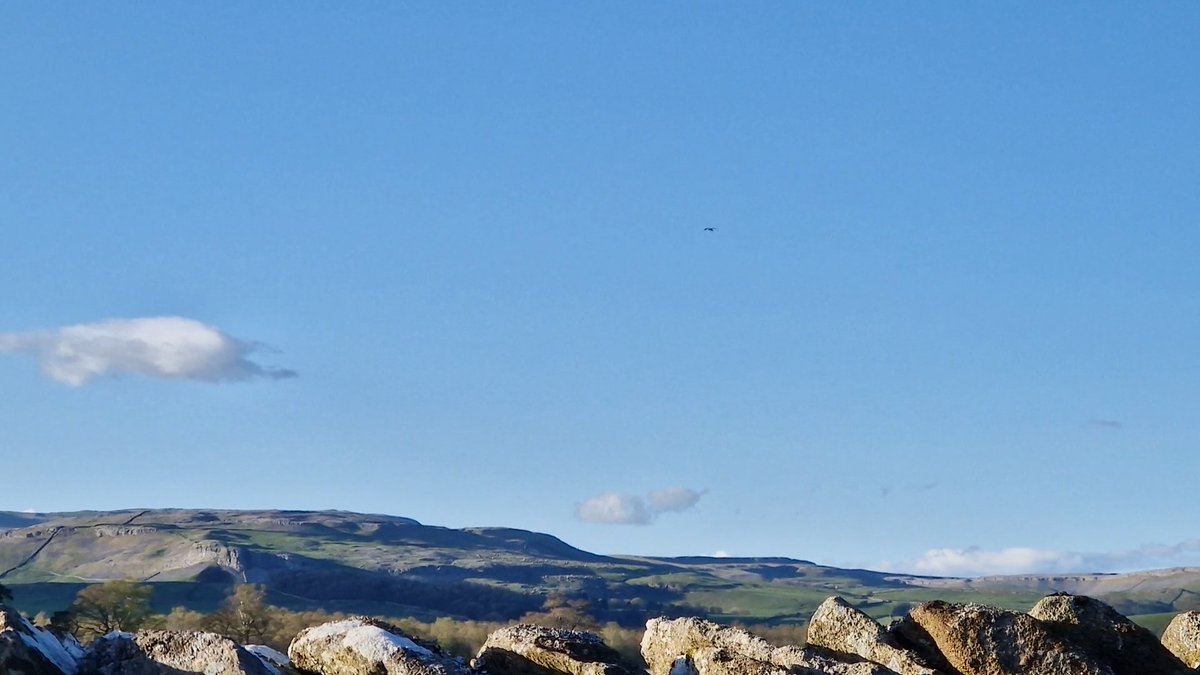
(394, 566)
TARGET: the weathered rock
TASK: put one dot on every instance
(699, 647)
(536, 650)
(26, 649)
(977, 640)
(842, 629)
(160, 652)
(1182, 638)
(362, 646)
(1101, 631)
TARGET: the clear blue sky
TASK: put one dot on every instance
(952, 298)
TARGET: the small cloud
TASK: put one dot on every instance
(721, 554)
(623, 509)
(1106, 424)
(673, 500)
(169, 348)
(614, 509)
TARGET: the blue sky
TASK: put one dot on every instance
(947, 320)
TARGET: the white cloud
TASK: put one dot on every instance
(673, 499)
(975, 561)
(614, 509)
(170, 348)
(978, 562)
(722, 553)
(623, 509)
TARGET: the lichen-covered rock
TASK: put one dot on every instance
(1182, 638)
(536, 650)
(976, 640)
(26, 649)
(842, 629)
(1102, 632)
(362, 646)
(161, 652)
(693, 646)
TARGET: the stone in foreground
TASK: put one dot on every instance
(697, 647)
(976, 640)
(1182, 638)
(1100, 630)
(26, 649)
(536, 650)
(843, 629)
(159, 652)
(362, 646)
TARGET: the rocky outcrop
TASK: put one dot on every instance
(362, 646)
(842, 629)
(536, 650)
(698, 647)
(1182, 638)
(158, 652)
(1099, 630)
(26, 649)
(976, 640)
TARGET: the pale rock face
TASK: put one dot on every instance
(537, 650)
(1100, 630)
(1182, 638)
(709, 649)
(362, 646)
(26, 649)
(840, 628)
(976, 640)
(157, 652)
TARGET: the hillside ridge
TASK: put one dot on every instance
(393, 565)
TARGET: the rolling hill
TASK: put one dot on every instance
(394, 566)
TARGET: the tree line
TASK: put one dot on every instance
(245, 617)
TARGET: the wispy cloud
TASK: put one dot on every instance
(625, 509)
(169, 348)
(1106, 424)
(886, 490)
(975, 561)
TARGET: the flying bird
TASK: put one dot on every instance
(710, 229)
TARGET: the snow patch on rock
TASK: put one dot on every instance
(371, 642)
(65, 656)
(273, 655)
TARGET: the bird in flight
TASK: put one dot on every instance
(710, 229)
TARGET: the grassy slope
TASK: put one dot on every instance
(96, 546)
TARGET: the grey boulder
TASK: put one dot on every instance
(26, 649)
(160, 652)
(536, 650)
(362, 646)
